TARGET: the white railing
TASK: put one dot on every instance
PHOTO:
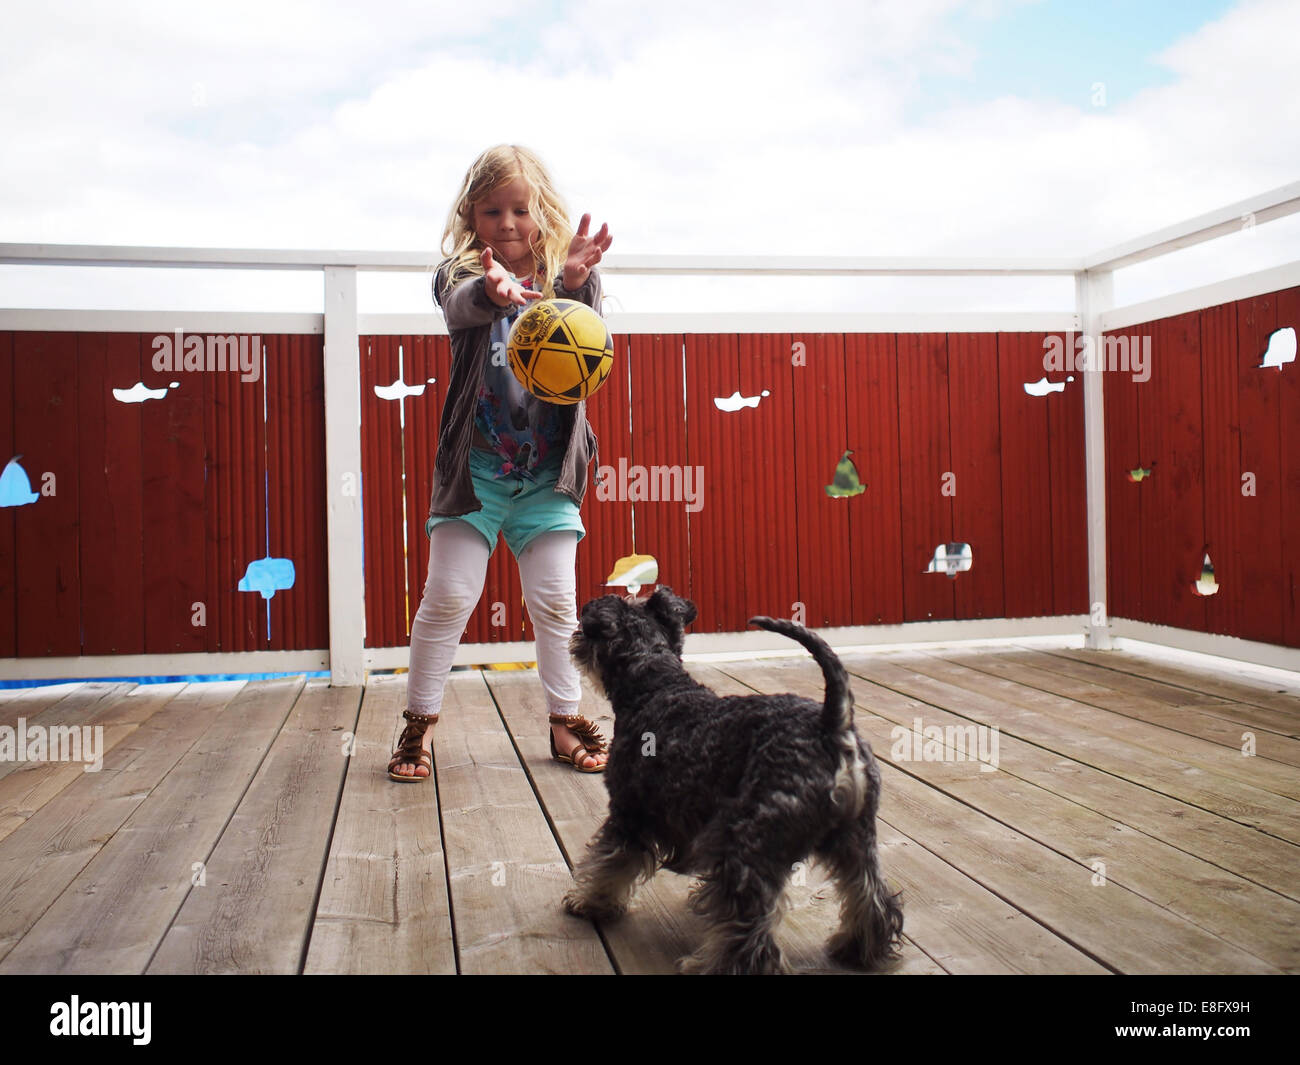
(342, 325)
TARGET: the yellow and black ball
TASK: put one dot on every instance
(560, 350)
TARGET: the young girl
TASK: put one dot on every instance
(507, 462)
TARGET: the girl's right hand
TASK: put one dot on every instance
(501, 288)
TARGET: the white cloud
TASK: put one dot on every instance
(691, 128)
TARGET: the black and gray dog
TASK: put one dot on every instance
(733, 790)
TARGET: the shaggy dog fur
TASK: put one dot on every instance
(733, 790)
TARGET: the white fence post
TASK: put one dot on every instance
(1094, 294)
(347, 591)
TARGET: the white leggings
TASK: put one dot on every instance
(458, 560)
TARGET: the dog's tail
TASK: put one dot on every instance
(851, 781)
(837, 716)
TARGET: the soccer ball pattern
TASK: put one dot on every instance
(560, 350)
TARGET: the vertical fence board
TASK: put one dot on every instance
(1068, 500)
(8, 559)
(925, 457)
(1026, 473)
(717, 567)
(1288, 314)
(8, 517)
(872, 432)
(110, 505)
(1125, 451)
(1259, 399)
(381, 487)
(46, 432)
(974, 402)
(824, 547)
(658, 437)
(1221, 457)
(430, 366)
(295, 382)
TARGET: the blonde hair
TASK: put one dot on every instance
(496, 167)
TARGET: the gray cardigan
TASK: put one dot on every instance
(469, 314)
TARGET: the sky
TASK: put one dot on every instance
(898, 128)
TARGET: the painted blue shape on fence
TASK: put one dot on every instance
(15, 488)
(268, 576)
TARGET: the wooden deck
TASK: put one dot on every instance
(250, 828)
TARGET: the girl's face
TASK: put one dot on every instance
(503, 222)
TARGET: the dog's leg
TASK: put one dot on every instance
(871, 919)
(607, 876)
(741, 899)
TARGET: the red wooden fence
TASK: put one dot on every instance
(159, 506)
(1221, 436)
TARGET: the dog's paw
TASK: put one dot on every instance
(578, 905)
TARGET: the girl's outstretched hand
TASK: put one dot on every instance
(501, 288)
(584, 253)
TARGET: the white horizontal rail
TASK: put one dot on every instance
(1265, 207)
(620, 323)
(1196, 299)
(424, 262)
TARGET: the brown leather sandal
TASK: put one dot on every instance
(589, 740)
(410, 748)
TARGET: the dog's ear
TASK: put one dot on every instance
(599, 619)
(673, 614)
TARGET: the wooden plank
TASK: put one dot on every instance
(506, 872)
(1245, 914)
(119, 709)
(1201, 687)
(113, 915)
(1118, 927)
(1130, 785)
(1195, 705)
(1132, 727)
(1071, 680)
(962, 925)
(39, 861)
(384, 906)
(658, 928)
(30, 701)
(255, 910)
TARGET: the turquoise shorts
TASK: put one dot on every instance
(516, 508)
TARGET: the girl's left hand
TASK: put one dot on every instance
(584, 253)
